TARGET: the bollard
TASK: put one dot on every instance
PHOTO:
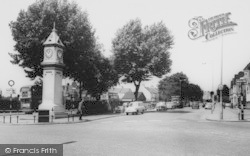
(10, 118)
(72, 116)
(52, 118)
(17, 116)
(242, 114)
(3, 118)
(17, 119)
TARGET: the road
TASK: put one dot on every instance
(174, 132)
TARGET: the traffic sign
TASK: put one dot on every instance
(11, 83)
(241, 81)
(11, 91)
(220, 87)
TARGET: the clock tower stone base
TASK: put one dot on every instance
(52, 90)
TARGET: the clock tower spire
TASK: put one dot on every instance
(52, 98)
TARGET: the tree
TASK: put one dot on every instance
(225, 94)
(107, 77)
(140, 53)
(171, 85)
(195, 93)
(178, 84)
(81, 53)
(36, 94)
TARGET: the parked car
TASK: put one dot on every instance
(161, 106)
(230, 105)
(187, 104)
(179, 105)
(135, 108)
(170, 105)
(175, 105)
(195, 105)
(118, 109)
(208, 105)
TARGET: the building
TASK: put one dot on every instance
(247, 84)
(115, 93)
(240, 87)
(150, 93)
(130, 96)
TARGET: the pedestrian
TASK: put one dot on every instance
(80, 109)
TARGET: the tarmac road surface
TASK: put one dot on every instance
(174, 132)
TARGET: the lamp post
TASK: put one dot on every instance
(221, 80)
(181, 79)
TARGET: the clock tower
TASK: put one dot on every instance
(52, 98)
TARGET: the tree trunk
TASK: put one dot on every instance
(80, 90)
(137, 86)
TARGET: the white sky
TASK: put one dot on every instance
(199, 60)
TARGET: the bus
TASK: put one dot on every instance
(30, 98)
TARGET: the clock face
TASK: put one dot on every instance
(48, 53)
(59, 54)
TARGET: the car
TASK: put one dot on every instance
(118, 109)
(161, 106)
(177, 104)
(135, 107)
(170, 105)
(208, 105)
(230, 105)
(187, 104)
(195, 105)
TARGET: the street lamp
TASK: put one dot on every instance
(181, 79)
(221, 79)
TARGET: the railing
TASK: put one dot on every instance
(14, 116)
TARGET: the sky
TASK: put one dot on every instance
(199, 60)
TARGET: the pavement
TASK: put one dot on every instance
(31, 119)
(229, 114)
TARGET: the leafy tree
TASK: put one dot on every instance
(36, 94)
(178, 84)
(225, 94)
(107, 77)
(171, 85)
(194, 92)
(140, 53)
(81, 53)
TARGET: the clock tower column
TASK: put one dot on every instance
(52, 98)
